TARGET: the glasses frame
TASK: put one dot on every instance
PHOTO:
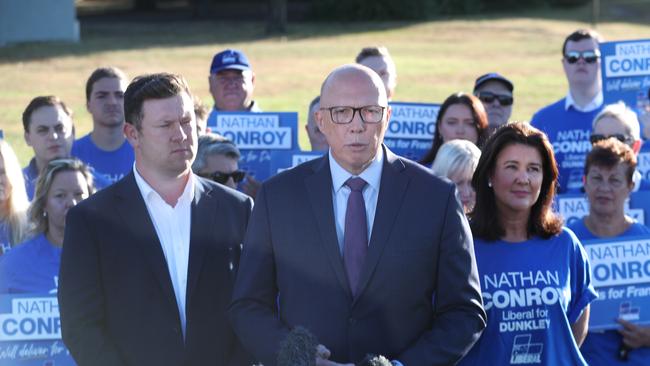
(589, 57)
(594, 138)
(489, 97)
(237, 176)
(354, 111)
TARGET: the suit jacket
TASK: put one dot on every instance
(419, 299)
(116, 297)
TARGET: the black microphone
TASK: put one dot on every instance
(374, 360)
(298, 348)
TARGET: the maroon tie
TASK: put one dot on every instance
(355, 237)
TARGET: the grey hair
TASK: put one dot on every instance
(624, 114)
(456, 156)
(213, 144)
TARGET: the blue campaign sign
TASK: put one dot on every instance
(30, 331)
(283, 160)
(410, 129)
(640, 203)
(643, 161)
(621, 274)
(257, 135)
(626, 72)
(574, 207)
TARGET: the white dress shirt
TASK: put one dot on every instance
(172, 225)
(592, 106)
(341, 192)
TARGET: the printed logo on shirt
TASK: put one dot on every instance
(628, 312)
(524, 351)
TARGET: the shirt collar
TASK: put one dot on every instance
(591, 106)
(148, 192)
(372, 173)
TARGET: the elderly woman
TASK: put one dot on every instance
(461, 116)
(534, 273)
(456, 160)
(33, 266)
(13, 200)
(608, 182)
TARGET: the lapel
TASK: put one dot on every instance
(132, 208)
(319, 190)
(201, 220)
(391, 194)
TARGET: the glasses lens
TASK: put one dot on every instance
(572, 57)
(372, 114)
(487, 97)
(238, 176)
(342, 114)
(595, 138)
(220, 177)
(505, 100)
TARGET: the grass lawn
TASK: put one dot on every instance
(434, 59)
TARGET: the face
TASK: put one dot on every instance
(220, 163)
(316, 137)
(607, 189)
(68, 188)
(106, 103)
(517, 179)
(497, 114)
(458, 123)
(464, 190)
(166, 142)
(385, 68)
(5, 186)
(50, 134)
(581, 73)
(609, 126)
(354, 145)
(232, 90)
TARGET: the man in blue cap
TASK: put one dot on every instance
(495, 92)
(232, 82)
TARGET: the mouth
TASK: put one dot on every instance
(54, 148)
(357, 146)
(520, 194)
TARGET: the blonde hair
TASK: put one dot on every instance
(43, 185)
(15, 211)
(456, 156)
(624, 114)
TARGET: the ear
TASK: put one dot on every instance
(636, 146)
(27, 138)
(319, 119)
(131, 134)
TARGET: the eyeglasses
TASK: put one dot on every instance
(219, 177)
(594, 138)
(344, 115)
(489, 97)
(589, 56)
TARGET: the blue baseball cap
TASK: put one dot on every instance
(493, 76)
(229, 60)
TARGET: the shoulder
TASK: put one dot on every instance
(84, 142)
(549, 110)
(22, 252)
(638, 228)
(211, 190)
(421, 178)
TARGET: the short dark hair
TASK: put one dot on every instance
(542, 222)
(480, 122)
(314, 101)
(200, 110)
(42, 101)
(610, 152)
(100, 73)
(579, 35)
(371, 52)
(152, 86)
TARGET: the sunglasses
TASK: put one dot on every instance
(219, 177)
(620, 137)
(489, 97)
(589, 56)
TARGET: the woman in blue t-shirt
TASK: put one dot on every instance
(33, 266)
(13, 200)
(608, 182)
(534, 273)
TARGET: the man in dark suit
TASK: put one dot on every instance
(367, 250)
(146, 273)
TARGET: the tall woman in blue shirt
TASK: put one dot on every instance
(534, 273)
(33, 266)
(608, 182)
(13, 200)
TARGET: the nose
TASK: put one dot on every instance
(357, 124)
(179, 133)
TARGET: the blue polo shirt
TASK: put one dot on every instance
(111, 165)
(31, 267)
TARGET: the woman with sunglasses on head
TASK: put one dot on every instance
(33, 266)
(534, 273)
(461, 116)
(608, 183)
(13, 200)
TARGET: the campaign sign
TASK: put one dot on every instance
(621, 274)
(626, 72)
(30, 331)
(257, 135)
(410, 129)
(574, 207)
(283, 160)
(643, 162)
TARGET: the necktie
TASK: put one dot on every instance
(355, 236)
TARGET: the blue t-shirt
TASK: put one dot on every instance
(532, 292)
(31, 267)
(5, 237)
(568, 131)
(30, 173)
(112, 165)
(601, 347)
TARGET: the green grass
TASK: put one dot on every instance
(434, 59)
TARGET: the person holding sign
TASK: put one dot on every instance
(369, 251)
(534, 273)
(33, 266)
(13, 200)
(608, 183)
(456, 161)
(461, 116)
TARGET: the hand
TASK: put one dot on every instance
(322, 355)
(250, 186)
(634, 336)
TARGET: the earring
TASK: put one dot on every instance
(44, 213)
(489, 184)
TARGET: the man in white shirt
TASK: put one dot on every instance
(147, 269)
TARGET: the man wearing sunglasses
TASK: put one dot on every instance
(495, 92)
(567, 122)
(217, 159)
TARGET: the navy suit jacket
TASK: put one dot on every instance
(419, 299)
(116, 298)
